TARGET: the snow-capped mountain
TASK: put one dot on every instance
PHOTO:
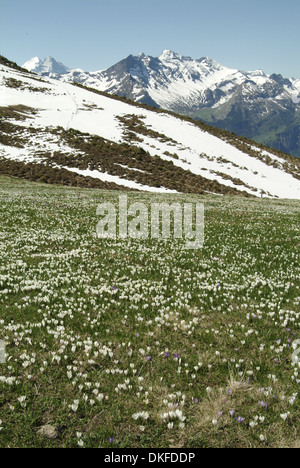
(60, 132)
(253, 104)
(170, 81)
(45, 67)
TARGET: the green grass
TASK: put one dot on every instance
(82, 317)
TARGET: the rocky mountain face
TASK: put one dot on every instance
(268, 112)
(263, 107)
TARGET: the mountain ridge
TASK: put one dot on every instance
(262, 107)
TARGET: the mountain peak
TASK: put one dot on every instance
(168, 55)
(49, 65)
(32, 64)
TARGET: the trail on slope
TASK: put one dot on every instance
(73, 114)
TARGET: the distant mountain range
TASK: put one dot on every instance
(265, 108)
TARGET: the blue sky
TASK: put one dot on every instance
(94, 34)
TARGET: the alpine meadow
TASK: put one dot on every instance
(149, 237)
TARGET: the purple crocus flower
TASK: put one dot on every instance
(196, 401)
(167, 354)
(232, 413)
(263, 404)
(176, 356)
(148, 358)
(240, 419)
(111, 440)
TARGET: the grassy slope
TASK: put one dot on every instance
(72, 336)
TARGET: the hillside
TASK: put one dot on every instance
(142, 343)
(253, 104)
(59, 132)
